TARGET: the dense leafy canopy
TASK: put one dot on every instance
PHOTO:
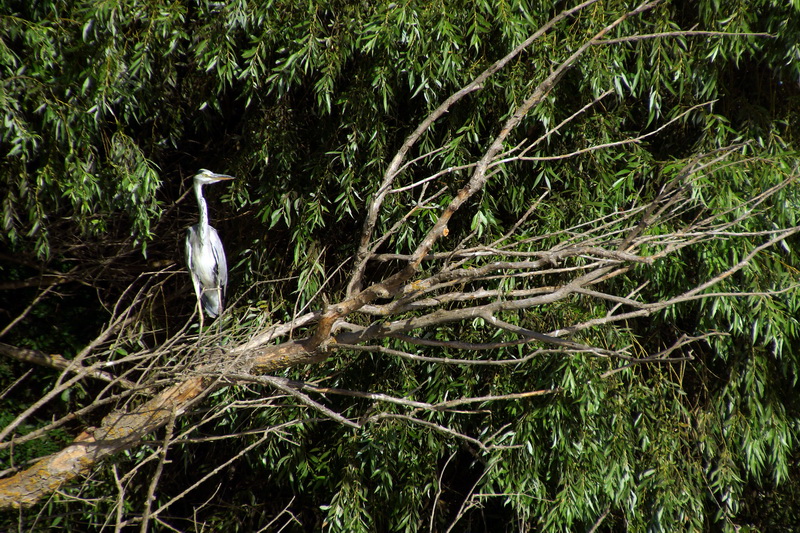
(110, 107)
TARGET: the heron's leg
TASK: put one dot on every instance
(200, 312)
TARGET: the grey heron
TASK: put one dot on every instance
(205, 256)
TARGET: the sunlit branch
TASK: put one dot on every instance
(449, 360)
(686, 33)
(285, 386)
(436, 427)
(398, 160)
(630, 140)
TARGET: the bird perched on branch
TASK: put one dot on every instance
(205, 256)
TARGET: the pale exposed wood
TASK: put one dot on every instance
(119, 431)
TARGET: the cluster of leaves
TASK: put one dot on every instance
(102, 101)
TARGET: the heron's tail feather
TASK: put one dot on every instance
(212, 302)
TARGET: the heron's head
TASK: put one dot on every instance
(206, 176)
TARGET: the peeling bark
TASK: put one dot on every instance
(119, 431)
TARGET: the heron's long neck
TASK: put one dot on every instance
(201, 203)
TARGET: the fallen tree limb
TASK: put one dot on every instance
(118, 432)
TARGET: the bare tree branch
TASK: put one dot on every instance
(394, 167)
(118, 432)
(58, 362)
(432, 285)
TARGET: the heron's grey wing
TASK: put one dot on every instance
(222, 264)
(191, 239)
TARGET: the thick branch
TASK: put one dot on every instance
(395, 166)
(58, 362)
(118, 432)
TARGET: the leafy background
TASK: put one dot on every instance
(110, 107)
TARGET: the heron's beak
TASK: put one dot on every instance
(222, 177)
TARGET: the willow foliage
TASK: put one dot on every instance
(109, 107)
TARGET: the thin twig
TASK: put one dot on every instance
(151, 490)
